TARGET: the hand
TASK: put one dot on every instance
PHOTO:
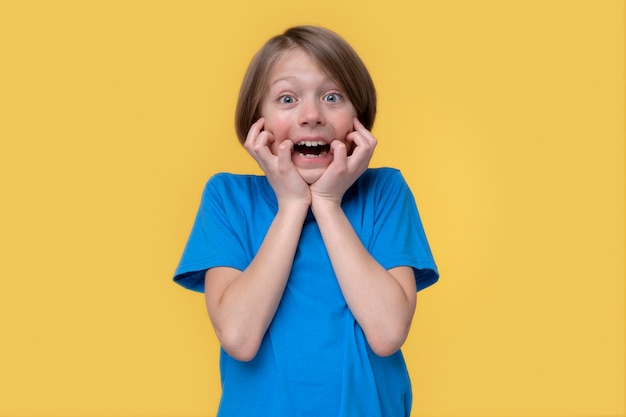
(286, 181)
(345, 169)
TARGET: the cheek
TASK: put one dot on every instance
(347, 117)
(277, 125)
(347, 124)
(279, 128)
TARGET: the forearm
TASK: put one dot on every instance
(382, 305)
(242, 304)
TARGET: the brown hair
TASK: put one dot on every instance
(332, 53)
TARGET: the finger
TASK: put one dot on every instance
(285, 149)
(359, 142)
(340, 153)
(361, 156)
(364, 141)
(255, 128)
(262, 145)
(257, 145)
(253, 133)
(358, 126)
(349, 141)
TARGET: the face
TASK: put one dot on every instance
(304, 105)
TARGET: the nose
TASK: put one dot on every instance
(311, 113)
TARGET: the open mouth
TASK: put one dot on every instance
(311, 149)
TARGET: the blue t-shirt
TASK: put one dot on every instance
(314, 359)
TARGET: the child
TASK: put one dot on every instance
(310, 272)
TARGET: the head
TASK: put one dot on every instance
(333, 55)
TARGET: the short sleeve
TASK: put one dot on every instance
(213, 240)
(398, 236)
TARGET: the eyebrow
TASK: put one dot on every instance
(331, 83)
(287, 78)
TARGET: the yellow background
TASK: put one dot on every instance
(506, 117)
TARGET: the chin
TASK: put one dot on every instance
(310, 176)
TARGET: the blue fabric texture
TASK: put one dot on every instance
(314, 359)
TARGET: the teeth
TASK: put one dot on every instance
(311, 143)
(310, 155)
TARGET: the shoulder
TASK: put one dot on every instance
(238, 188)
(381, 175)
(228, 183)
(226, 179)
(381, 180)
(377, 186)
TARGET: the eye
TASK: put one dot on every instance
(332, 98)
(286, 99)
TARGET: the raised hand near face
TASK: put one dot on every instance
(346, 166)
(279, 169)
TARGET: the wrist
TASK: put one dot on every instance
(294, 207)
(321, 206)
